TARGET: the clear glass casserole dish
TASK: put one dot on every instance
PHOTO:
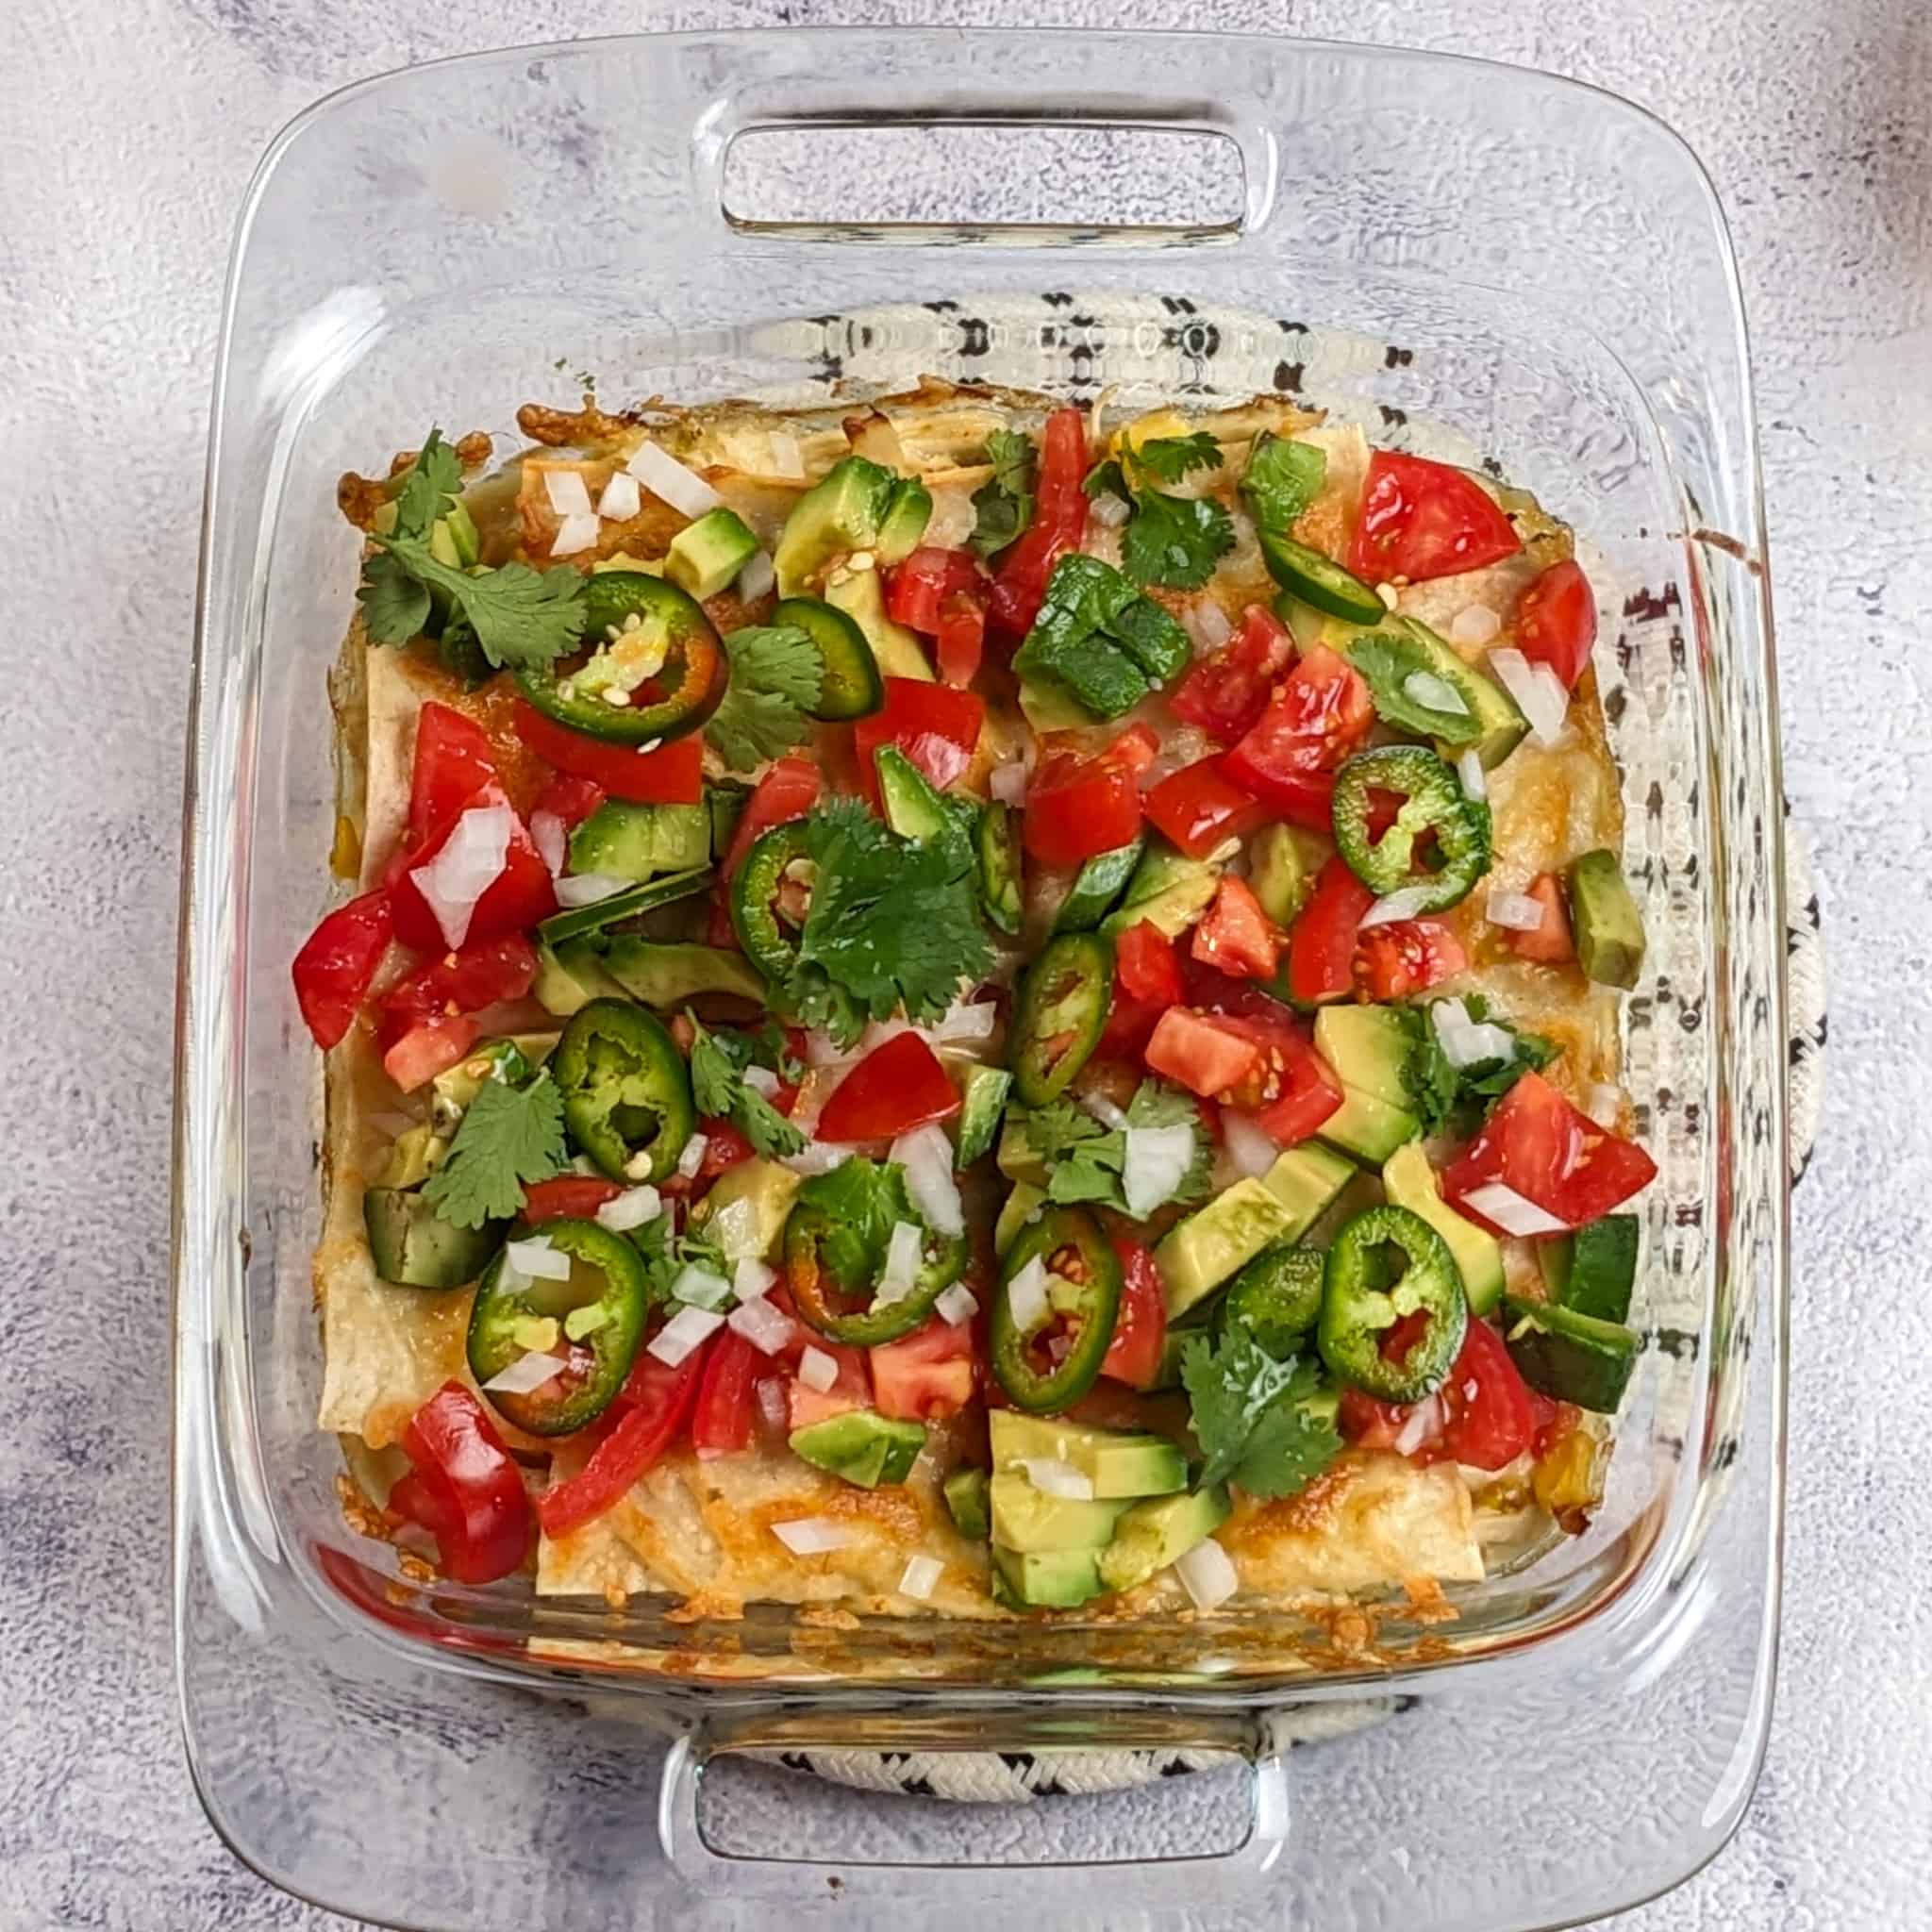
(1528, 270)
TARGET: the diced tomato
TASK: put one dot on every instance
(916, 590)
(936, 726)
(337, 960)
(672, 775)
(477, 975)
(1225, 695)
(1144, 966)
(429, 1049)
(788, 790)
(1130, 1025)
(453, 762)
(1203, 1056)
(1077, 807)
(647, 1416)
(1321, 711)
(851, 1389)
(1551, 1154)
(1059, 526)
(1322, 942)
(1368, 1422)
(463, 1488)
(570, 1197)
(1488, 1420)
(1406, 957)
(721, 1420)
(1133, 1355)
(1553, 1420)
(960, 643)
(1422, 520)
(923, 1375)
(1291, 1091)
(1549, 943)
(895, 1088)
(725, 1148)
(1556, 620)
(568, 799)
(1237, 937)
(519, 895)
(1199, 806)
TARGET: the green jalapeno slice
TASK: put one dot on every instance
(1394, 1312)
(627, 1090)
(1060, 1015)
(770, 898)
(1438, 846)
(1277, 1298)
(1082, 1303)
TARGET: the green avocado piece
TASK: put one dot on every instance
(1306, 1180)
(1603, 916)
(1369, 1047)
(966, 1497)
(1169, 889)
(1017, 1160)
(414, 1246)
(1098, 883)
(571, 975)
(1369, 1128)
(1592, 1271)
(896, 650)
(1197, 1254)
(862, 1447)
(982, 1107)
(1020, 1207)
(747, 1206)
(1048, 708)
(454, 1088)
(904, 524)
(724, 800)
(1024, 1517)
(843, 512)
(1050, 1580)
(913, 808)
(1568, 1357)
(1282, 865)
(1154, 1534)
(454, 538)
(414, 1154)
(706, 556)
(665, 975)
(1118, 1462)
(624, 841)
(1410, 1181)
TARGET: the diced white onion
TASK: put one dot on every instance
(775, 1402)
(525, 1375)
(693, 1156)
(958, 1304)
(576, 534)
(818, 1156)
(1604, 1104)
(629, 1209)
(1206, 1573)
(1474, 623)
(1109, 1116)
(469, 864)
(1008, 782)
(547, 835)
(699, 1288)
(1475, 781)
(1156, 1162)
(926, 1156)
(817, 1370)
(904, 1252)
(964, 1020)
(751, 1279)
(812, 1536)
(1417, 1426)
(568, 495)
(1405, 903)
(1449, 1016)
(1026, 1294)
(1207, 624)
(665, 477)
(1438, 693)
(1517, 912)
(622, 500)
(587, 887)
(953, 519)
(538, 1260)
(1251, 1151)
(761, 1080)
(1053, 1477)
(786, 459)
(682, 1333)
(921, 1577)
(1510, 1211)
(1390, 595)
(1471, 1044)
(761, 1324)
(757, 577)
(1111, 511)
(1537, 690)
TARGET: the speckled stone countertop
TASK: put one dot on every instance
(127, 131)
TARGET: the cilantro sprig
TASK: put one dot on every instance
(777, 677)
(1255, 1417)
(718, 1063)
(1453, 1099)
(1004, 502)
(1086, 1160)
(1175, 541)
(508, 1136)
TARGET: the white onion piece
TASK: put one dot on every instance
(761, 1080)
(547, 835)
(953, 519)
(1450, 1016)
(469, 864)
(904, 1252)
(1207, 624)
(1538, 691)
(621, 499)
(1417, 1426)
(1008, 782)
(1604, 1104)
(1438, 693)
(921, 1577)
(812, 1536)
(574, 535)
(751, 1279)
(822, 1050)
(817, 1370)
(1403, 902)
(1111, 511)
(757, 577)
(568, 495)
(1109, 1116)
(818, 1156)
(525, 1375)
(1251, 1151)
(1026, 1293)
(1053, 1477)
(966, 1020)
(1156, 1162)
(1512, 1213)
(761, 1324)
(682, 1333)
(958, 1304)
(926, 1156)
(1206, 1573)
(1390, 595)
(775, 1402)
(587, 887)
(1475, 781)
(629, 1209)
(1517, 912)
(665, 477)
(537, 1260)
(1468, 1047)
(698, 1288)
(693, 1156)
(1474, 623)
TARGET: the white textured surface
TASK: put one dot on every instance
(127, 131)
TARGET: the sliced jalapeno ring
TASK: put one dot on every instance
(1083, 1301)
(1387, 1266)
(770, 898)
(1060, 1015)
(835, 1249)
(1277, 1298)
(591, 1323)
(634, 622)
(851, 685)
(627, 1090)
(1434, 807)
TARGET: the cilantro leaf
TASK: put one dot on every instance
(1387, 662)
(395, 605)
(1106, 478)
(1452, 1099)
(1254, 1418)
(508, 1136)
(427, 488)
(718, 1061)
(1004, 500)
(667, 1253)
(522, 617)
(1282, 478)
(777, 677)
(1176, 540)
(1170, 457)
(1086, 1160)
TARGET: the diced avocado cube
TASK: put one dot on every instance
(966, 1493)
(1410, 1181)
(414, 1154)
(570, 977)
(1369, 1047)
(913, 808)
(1050, 1580)
(1099, 882)
(1168, 890)
(1025, 1518)
(1369, 1128)
(1047, 707)
(414, 1246)
(706, 556)
(1604, 917)
(1016, 1159)
(1282, 865)
(664, 974)
(862, 1447)
(747, 1207)
(1154, 1534)
(1197, 1254)
(1594, 1270)
(904, 524)
(454, 538)
(896, 650)
(456, 1086)
(1306, 1180)
(982, 1105)
(1019, 1208)
(839, 513)
(1568, 1357)
(624, 841)
(1118, 1462)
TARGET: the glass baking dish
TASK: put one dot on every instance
(1470, 260)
